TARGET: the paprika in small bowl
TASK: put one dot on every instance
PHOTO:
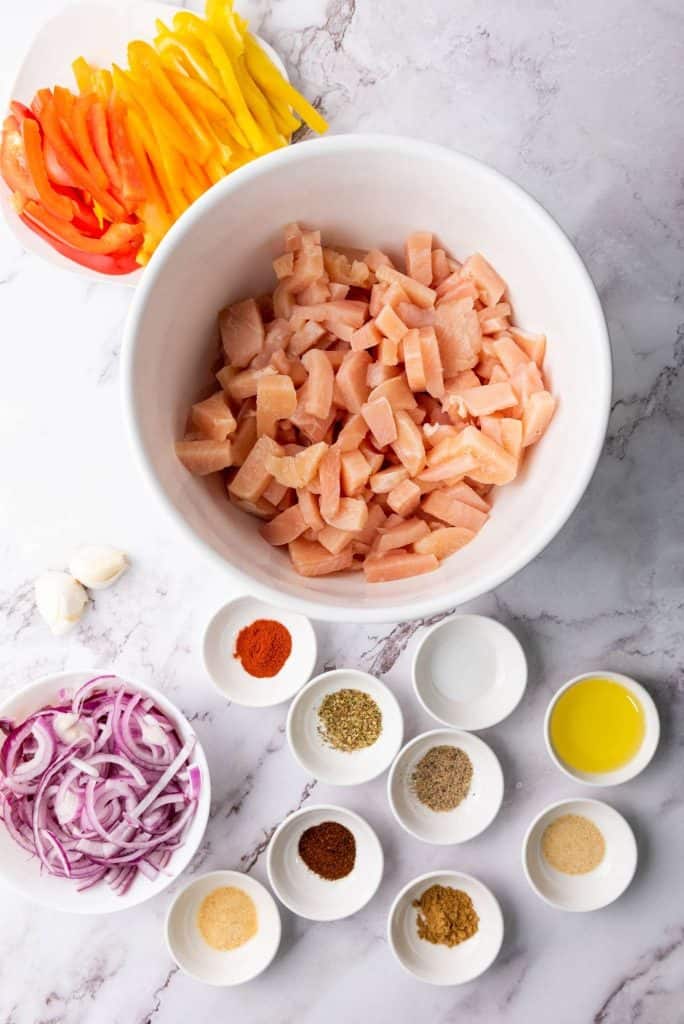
(257, 655)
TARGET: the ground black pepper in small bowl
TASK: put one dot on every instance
(441, 779)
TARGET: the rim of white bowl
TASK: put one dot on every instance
(454, 875)
(300, 696)
(238, 877)
(644, 754)
(526, 843)
(203, 804)
(442, 624)
(316, 608)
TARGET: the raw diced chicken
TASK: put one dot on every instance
(343, 271)
(418, 254)
(253, 477)
(350, 381)
(404, 499)
(308, 504)
(213, 417)
(380, 419)
(390, 324)
(351, 514)
(242, 332)
(489, 398)
(321, 380)
(459, 336)
(283, 300)
(311, 559)
(413, 360)
(283, 265)
(244, 438)
(305, 337)
(414, 316)
(440, 267)
(444, 541)
(397, 566)
(396, 391)
(485, 277)
(494, 464)
(409, 445)
(374, 458)
(533, 345)
(388, 352)
(393, 296)
(349, 311)
(365, 337)
(377, 374)
(296, 470)
(378, 292)
(329, 476)
(276, 400)
(243, 384)
(285, 527)
(352, 433)
(314, 293)
(452, 468)
(355, 472)
(375, 258)
(511, 436)
(387, 479)
(444, 505)
(275, 493)
(203, 457)
(537, 414)
(401, 535)
(432, 362)
(419, 294)
(334, 540)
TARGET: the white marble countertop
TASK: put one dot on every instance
(582, 104)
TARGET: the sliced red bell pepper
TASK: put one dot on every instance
(84, 146)
(123, 262)
(20, 110)
(54, 203)
(44, 109)
(84, 218)
(116, 237)
(133, 186)
(99, 136)
(13, 163)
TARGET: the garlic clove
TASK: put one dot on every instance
(60, 599)
(97, 566)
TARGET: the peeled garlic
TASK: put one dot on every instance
(60, 599)
(97, 565)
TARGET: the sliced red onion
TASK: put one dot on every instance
(100, 788)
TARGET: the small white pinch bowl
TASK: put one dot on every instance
(213, 966)
(596, 888)
(300, 889)
(226, 671)
(341, 767)
(643, 755)
(475, 812)
(441, 965)
(469, 672)
(22, 872)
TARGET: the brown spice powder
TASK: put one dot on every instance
(573, 844)
(446, 916)
(227, 918)
(328, 849)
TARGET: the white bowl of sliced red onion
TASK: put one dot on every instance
(104, 792)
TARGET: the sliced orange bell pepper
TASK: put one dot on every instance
(132, 184)
(145, 62)
(115, 238)
(56, 204)
(13, 162)
(99, 136)
(84, 146)
(44, 108)
(64, 105)
(157, 112)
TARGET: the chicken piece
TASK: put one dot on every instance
(419, 294)
(443, 541)
(242, 332)
(401, 535)
(311, 559)
(440, 267)
(204, 457)
(352, 433)
(488, 282)
(285, 527)
(380, 419)
(213, 417)
(444, 505)
(413, 360)
(365, 337)
(243, 384)
(334, 540)
(276, 400)
(510, 355)
(350, 381)
(418, 254)
(355, 472)
(386, 480)
(299, 469)
(459, 336)
(414, 316)
(389, 324)
(397, 565)
(488, 398)
(404, 499)
(533, 345)
(329, 472)
(432, 362)
(244, 438)
(409, 445)
(253, 477)
(318, 401)
(308, 504)
(340, 269)
(537, 414)
(283, 265)
(351, 514)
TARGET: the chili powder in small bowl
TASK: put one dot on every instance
(257, 655)
(324, 862)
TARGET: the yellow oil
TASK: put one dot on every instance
(597, 725)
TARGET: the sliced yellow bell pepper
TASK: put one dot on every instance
(196, 26)
(219, 14)
(203, 99)
(259, 106)
(272, 82)
(192, 59)
(83, 73)
(157, 113)
(144, 61)
(102, 83)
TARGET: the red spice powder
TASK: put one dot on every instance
(263, 647)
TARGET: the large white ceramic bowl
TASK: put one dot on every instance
(361, 191)
(23, 873)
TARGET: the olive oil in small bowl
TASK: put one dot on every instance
(602, 728)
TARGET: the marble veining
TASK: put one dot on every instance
(583, 105)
